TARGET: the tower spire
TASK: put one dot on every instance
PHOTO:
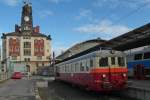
(26, 1)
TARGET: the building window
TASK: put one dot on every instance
(14, 58)
(26, 37)
(39, 57)
(43, 64)
(27, 44)
(27, 52)
(26, 59)
(26, 28)
(41, 49)
(37, 64)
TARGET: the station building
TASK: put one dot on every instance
(27, 45)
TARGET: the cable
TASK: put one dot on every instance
(127, 15)
(131, 13)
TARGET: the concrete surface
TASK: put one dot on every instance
(21, 89)
(41, 84)
(143, 84)
(138, 89)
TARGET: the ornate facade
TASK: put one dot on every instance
(27, 45)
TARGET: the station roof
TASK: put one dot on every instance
(130, 40)
(133, 39)
(79, 47)
(96, 48)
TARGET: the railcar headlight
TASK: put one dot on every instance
(104, 75)
(124, 75)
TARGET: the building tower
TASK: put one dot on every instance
(26, 18)
(27, 48)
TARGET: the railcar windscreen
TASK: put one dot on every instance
(138, 57)
(121, 61)
(103, 62)
(113, 61)
(147, 55)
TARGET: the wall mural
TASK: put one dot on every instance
(14, 47)
(38, 47)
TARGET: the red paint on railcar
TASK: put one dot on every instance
(98, 79)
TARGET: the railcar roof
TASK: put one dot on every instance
(93, 49)
(96, 48)
(140, 51)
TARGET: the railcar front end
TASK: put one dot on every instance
(109, 79)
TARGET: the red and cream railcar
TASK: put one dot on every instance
(102, 70)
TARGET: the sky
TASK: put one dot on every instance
(74, 21)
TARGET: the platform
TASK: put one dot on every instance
(138, 89)
(143, 84)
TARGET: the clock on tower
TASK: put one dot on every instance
(26, 20)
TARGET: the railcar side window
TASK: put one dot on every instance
(147, 55)
(121, 61)
(138, 57)
(71, 67)
(103, 62)
(91, 62)
(87, 65)
(65, 68)
(81, 67)
(57, 69)
(112, 60)
(62, 68)
(76, 65)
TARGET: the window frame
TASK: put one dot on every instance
(120, 64)
(138, 56)
(104, 64)
(147, 54)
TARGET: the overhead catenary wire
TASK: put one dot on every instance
(128, 15)
(132, 12)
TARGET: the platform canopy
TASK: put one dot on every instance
(133, 39)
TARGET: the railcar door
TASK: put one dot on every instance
(112, 67)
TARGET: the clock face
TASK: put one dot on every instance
(26, 18)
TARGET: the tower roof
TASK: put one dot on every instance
(26, 28)
(27, 2)
(32, 35)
